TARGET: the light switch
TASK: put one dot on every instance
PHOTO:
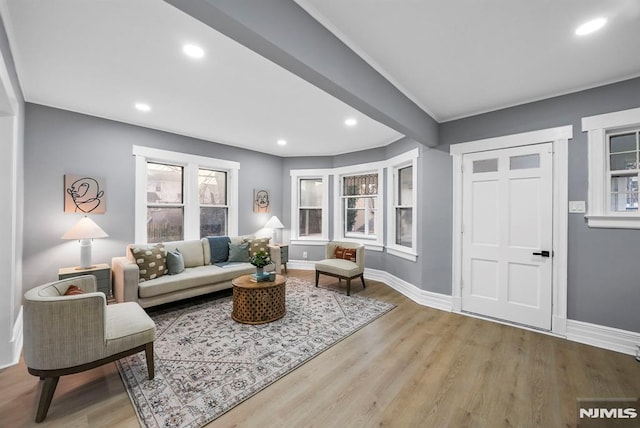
(577, 207)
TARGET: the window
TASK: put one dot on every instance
(165, 204)
(181, 196)
(401, 207)
(358, 209)
(614, 167)
(310, 199)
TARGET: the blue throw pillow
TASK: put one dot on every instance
(175, 262)
(219, 246)
(239, 253)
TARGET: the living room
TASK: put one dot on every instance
(601, 272)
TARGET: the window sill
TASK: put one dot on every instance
(317, 242)
(614, 221)
(402, 253)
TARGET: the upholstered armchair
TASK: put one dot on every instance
(66, 334)
(344, 260)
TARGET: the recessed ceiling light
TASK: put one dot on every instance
(351, 122)
(193, 51)
(591, 26)
(282, 142)
(143, 106)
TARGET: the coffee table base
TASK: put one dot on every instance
(258, 304)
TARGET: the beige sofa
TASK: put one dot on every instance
(199, 277)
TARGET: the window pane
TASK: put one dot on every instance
(212, 187)
(622, 143)
(360, 185)
(310, 222)
(525, 161)
(485, 165)
(360, 216)
(624, 193)
(404, 226)
(213, 221)
(165, 224)
(311, 192)
(623, 161)
(405, 184)
(164, 184)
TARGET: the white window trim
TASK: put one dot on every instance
(597, 127)
(296, 175)
(560, 137)
(374, 244)
(191, 164)
(409, 158)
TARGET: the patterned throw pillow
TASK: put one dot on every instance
(345, 253)
(260, 244)
(152, 261)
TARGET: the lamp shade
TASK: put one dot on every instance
(274, 223)
(85, 229)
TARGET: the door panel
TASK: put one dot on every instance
(507, 216)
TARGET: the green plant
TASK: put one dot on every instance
(260, 259)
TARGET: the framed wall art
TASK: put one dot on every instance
(84, 194)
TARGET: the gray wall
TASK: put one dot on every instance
(59, 142)
(603, 268)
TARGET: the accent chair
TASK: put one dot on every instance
(66, 334)
(344, 260)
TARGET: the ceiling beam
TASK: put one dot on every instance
(284, 33)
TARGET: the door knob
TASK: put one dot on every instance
(542, 253)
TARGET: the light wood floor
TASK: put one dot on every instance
(413, 367)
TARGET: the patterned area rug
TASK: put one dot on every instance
(206, 363)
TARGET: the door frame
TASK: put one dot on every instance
(559, 137)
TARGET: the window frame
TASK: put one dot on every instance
(309, 174)
(408, 159)
(191, 165)
(599, 127)
(376, 243)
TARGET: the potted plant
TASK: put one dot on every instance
(260, 260)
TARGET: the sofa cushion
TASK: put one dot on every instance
(219, 246)
(192, 251)
(73, 290)
(151, 261)
(258, 244)
(338, 267)
(175, 262)
(239, 252)
(193, 277)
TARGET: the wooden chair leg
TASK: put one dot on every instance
(48, 388)
(348, 286)
(317, 276)
(362, 278)
(148, 352)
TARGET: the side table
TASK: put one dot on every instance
(280, 256)
(258, 302)
(102, 272)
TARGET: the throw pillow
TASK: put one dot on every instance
(219, 246)
(175, 262)
(73, 290)
(260, 244)
(152, 261)
(239, 253)
(345, 253)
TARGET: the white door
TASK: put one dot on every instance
(507, 234)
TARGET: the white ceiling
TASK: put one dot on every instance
(453, 58)
(458, 58)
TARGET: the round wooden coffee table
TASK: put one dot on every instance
(258, 302)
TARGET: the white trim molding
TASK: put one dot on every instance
(599, 213)
(16, 342)
(614, 339)
(560, 137)
(422, 297)
(408, 159)
(296, 176)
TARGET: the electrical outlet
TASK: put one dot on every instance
(304, 255)
(577, 206)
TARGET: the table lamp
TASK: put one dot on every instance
(85, 231)
(274, 223)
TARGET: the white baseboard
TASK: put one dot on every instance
(16, 342)
(614, 339)
(609, 338)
